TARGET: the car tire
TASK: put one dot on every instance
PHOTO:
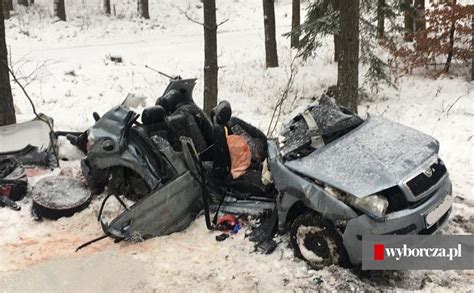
(316, 241)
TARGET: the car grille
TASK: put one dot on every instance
(422, 182)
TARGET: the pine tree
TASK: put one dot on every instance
(420, 22)
(271, 56)
(472, 46)
(7, 110)
(322, 19)
(106, 4)
(295, 24)
(348, 63)
(60, 10)
(210, 56)
(408, 15)
(337, 33)
(143, 9)
(6, 11)
(380, 18)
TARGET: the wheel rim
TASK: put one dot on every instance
(315, 245)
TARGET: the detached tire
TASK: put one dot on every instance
(317, 242)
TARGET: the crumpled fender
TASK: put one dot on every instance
(294, 188)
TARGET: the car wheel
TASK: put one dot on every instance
(316, 241)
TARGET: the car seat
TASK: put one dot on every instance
(158, 126)
(249, 183)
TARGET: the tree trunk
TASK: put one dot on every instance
(380, 18)
(420, 23)
(408, 13)
(10, 5)
(337, 47)
(60, 10)
(472, 45)
(337, 34)
(7, 110)
(348, 65)
(295, 24)
(271, 56)
(451, 42)
(210, 56)
(107, 7)
(143, 9)
(6, 11)
(23, 2)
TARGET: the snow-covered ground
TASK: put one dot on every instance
(68, 74)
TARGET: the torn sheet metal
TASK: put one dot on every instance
(31, 142)
(169, 209)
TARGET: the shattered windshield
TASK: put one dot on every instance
(318, 125)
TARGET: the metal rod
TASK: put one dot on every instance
(157, 71)
(90, 242)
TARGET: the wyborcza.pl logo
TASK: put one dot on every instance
(402, 252)
(439, 252)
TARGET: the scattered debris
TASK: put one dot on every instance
(13, 180)
(222, 237)
(32, 142)
(5, 201)
(114, 58)
(59, 196)
(226, 222)
(71, 73)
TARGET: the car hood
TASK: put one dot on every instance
(375, 156)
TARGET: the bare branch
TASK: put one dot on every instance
(55, 151)
(185, 13)
(452, 105)
(192, 19)
(277, 110)
(222, 22)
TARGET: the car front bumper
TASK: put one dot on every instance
(408, 221)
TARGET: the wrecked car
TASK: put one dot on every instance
(345, 178)
(330, 178)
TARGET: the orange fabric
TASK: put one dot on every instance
(240, 155)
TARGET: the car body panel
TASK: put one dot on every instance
(373, 157)
(30, 142)
(407, 221)
(111, 127)
(294, 188)
(169, 209)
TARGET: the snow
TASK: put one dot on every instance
(301, 235)
(373, 157)
(60, 192)
(69, 75)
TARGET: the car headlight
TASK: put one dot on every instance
(374, 205)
